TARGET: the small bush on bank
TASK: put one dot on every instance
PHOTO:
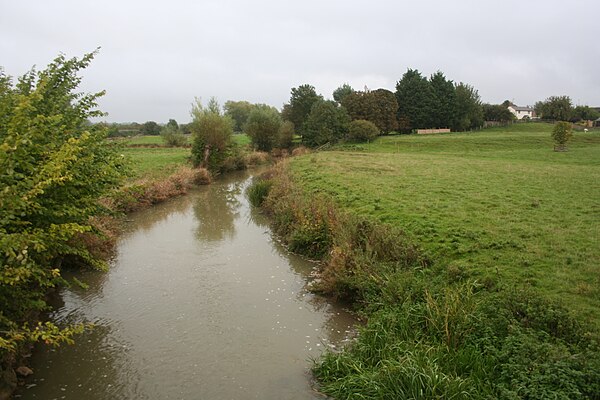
(362, 131)
(256, 158)
(299, 151)
(202, 176)
(173, 137)
(259, 191)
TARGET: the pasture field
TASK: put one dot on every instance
(498, 204)
(159, 162)
(156, 162)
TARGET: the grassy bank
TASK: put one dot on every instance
(497, 205)
(474, 256)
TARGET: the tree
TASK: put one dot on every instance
(263, 126)
(326, 123)
(362, 131)
(469, 111)
(497, 112)
(415, 99)
(172, 135)
(238, 111)
(211, 135)
(377, 106)
(584, 113)
(386, 108)
(443, 111)
(54, 168)
(359, 105)
(173, 125)
(301, 102)
(341, 92)
(561, 134)
(286, 134)
(555, 108)
(150, 128)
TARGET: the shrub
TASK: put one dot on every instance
(561, 134)
(173, 137)
(256, 158)
(54, 168)
(202, 176)
(362, 131)
(258, 191)
(300, 151)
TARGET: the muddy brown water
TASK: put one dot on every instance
(201, 302)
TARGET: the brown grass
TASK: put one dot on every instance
(144, 193)
(256, 158)
(299, 151)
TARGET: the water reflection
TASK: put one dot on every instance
(201, 302)
(216, 209)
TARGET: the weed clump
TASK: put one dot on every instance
(258, 191)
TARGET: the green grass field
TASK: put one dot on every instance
(496, 203)
(155, 162)
(160, 162)
(150, 140)
(157, 140)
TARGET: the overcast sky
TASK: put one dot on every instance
(156, 56)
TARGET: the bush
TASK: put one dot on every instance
(362, 131)
(173, 137)
(202, 176)
(561, 134)
(259, 191)
(54, 168)
(256, 158)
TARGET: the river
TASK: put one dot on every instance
(200, 302)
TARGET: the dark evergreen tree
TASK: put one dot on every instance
(301, 102)
(469, 111)
(443, 111)
(415, 101)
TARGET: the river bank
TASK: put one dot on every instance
(436, 329)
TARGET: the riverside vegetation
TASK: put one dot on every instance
(474, 257)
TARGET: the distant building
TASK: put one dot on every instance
(596, 123)
(521, 112)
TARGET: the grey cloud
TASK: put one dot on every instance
(156, 56)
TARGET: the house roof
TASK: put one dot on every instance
(517, 108)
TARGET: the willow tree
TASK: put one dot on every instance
(211, 135)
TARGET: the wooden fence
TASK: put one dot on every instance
(429, 131)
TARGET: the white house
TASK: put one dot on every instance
(521, 112)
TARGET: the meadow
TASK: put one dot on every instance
(156, 162)
(498, 204)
